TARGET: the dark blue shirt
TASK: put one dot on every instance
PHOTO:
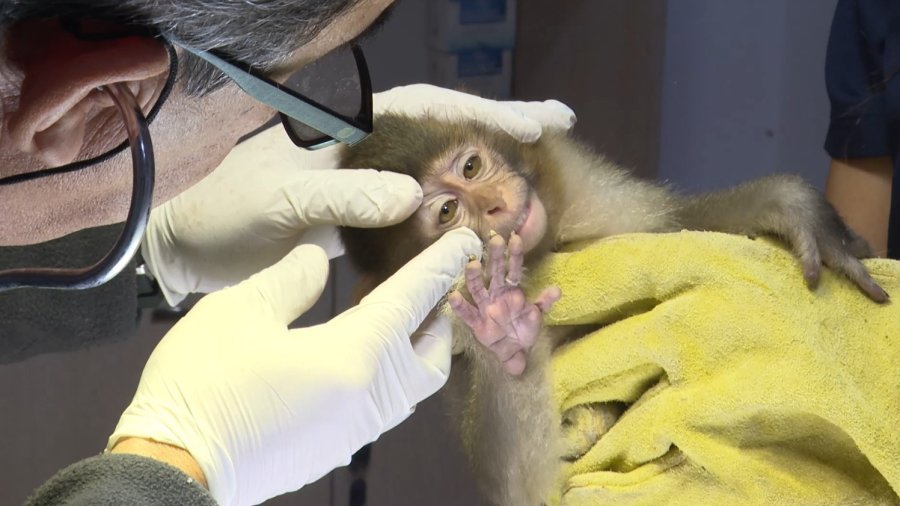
(862, 74)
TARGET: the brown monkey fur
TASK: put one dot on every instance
(509, 432)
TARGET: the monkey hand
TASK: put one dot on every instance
(522, 120)
(501, 318)
(817, 234)
(788, 208)
(265, 198)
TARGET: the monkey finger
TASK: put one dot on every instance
(856, 272)
(463, 309)
(497, 264)
(475, 283)
(516, 256)
(807, 249)
(547, 298)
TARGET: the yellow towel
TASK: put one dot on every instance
(742, 385)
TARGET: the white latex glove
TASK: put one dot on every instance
(260, 203)
(265, 198)
(265, 410)
(522, 120)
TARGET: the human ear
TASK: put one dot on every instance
(61, 113)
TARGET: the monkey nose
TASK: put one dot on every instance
(494, 210)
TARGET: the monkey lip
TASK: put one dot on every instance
(531, 224)
(523, 217)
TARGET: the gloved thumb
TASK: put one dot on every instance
(290, 287)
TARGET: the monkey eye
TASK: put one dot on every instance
(448, 211)
(472, 167)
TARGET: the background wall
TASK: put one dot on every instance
(743, 91)
(702, 92)
(604, 59)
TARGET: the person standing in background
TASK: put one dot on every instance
(861, 75)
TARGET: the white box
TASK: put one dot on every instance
(466, 24)
(484, 71)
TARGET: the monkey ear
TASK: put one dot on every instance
(60, 112)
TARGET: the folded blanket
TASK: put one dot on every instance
(739, 384)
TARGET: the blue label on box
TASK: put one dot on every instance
(481, 11)
(479, 62)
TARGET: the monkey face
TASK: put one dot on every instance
(470, 176)
(473, 186)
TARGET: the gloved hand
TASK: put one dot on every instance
(522, 120)
(265, 410)
(264, 199)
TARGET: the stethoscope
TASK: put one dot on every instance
(144, 172)
(321, 119)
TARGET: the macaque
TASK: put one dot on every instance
(525, 200)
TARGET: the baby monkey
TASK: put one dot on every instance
(526, 200)
(556, 192)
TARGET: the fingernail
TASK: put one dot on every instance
(491, 233)
(472, 258)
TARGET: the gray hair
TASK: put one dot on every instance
(258, 33)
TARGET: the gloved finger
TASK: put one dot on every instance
(325, 237)
(551, 114)
(421, 99)
(516, 120)
(291, 286)
(405, 298)
(511, 121)
(433, 343)
(350, 197)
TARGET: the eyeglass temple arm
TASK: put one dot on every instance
(280, 100)
(130, 239)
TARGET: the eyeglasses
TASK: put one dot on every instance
(326, 102)
(315, 114)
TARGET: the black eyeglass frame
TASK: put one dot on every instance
(335, 127)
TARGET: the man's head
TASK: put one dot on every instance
(52, 114)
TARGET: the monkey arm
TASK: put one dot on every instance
(790, 209)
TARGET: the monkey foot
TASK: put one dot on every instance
(501, 318)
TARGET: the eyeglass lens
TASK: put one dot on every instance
(332, 81)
